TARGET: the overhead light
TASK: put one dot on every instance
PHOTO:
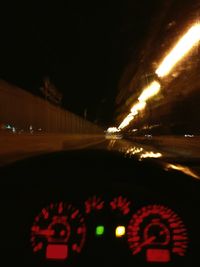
(184, 45)
(126, 121)
(137, 107)
(149, 91)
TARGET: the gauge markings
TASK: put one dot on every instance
(58, 231)
(157, 227)
(120, 203)
(94, 203)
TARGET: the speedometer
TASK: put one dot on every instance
(157, 232)
(58, 232)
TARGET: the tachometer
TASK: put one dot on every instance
(58, 232)
(158, 232)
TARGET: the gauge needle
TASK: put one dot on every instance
(45, 232)
(146, 242)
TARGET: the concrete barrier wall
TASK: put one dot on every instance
(22, 110)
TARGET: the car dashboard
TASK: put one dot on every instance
(97, 208)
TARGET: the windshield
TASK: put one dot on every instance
(76, 75)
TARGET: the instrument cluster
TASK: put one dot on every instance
(153, 233)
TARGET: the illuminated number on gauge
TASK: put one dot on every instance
(94, 203)
(121, 204)
(158, 232)
(58, 232)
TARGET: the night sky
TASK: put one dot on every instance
(82, 47)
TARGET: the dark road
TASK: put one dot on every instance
(18, 146)
(169, 148)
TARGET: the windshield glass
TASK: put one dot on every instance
(76, 75)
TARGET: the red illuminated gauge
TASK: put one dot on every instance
(94, 203)
(158, 232)
(58, 232)
(121, 204)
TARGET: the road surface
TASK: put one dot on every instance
(18, 146)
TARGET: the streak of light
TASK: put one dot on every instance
(183, 169)
(126, 121)
(112, 130)
(137, 107)
(147, 93)
(181, 49)
(134, 150)
(150, 91)
(150, 154)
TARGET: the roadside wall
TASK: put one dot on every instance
(22, 110)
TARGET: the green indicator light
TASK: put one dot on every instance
(100, 230)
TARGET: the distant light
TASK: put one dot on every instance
(189, 135)
(8, 126)
(100, 230)
(184, 45)
(120, 231)
(113, 130)
(149, 91)
(148, 135)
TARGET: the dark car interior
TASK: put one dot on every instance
(97, 208)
